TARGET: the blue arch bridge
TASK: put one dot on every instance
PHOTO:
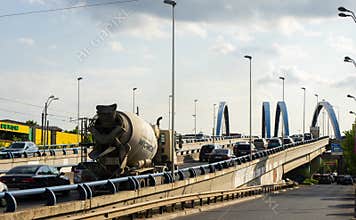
(223, 118)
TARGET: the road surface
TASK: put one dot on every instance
(308, 202)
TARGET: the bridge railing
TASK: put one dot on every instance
(183, 201)
(136, 182)
(39, 153)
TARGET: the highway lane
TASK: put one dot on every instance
(309, 202)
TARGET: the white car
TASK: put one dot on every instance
(20, 147)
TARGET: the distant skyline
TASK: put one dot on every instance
(118, 47)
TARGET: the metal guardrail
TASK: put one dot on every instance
(112, 185)
(53, 150)
(183, 201)
(39, 153)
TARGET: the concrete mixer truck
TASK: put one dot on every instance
(124, 144)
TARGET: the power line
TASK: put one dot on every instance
(37, 106)
(66, 8)
(20, 102)
(31, 114)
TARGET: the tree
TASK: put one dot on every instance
(348, 145)
(74, 131)
(31, 123)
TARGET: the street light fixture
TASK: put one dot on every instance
(250, 138)
(173, 136)
(133, 99)
(78, 113)
(214, 107)
(195, 118)
(349, 60)
(304, 89)
(346, 13)
(45, 114)
(169, 112)
(351, 96)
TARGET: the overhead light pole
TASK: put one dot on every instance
(169, 112)
(250, 116)
(173, 4)
(344, 12)
(133, 99)
(47, 103)
(354, 127)
(78, 113)
(214, 119)
(282, 78)
(303, 88)
(195, 117)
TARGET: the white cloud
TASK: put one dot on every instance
(289, 25)
(26, 41)
(116, 46)
(198, 29)
(42, 2)
(286, 51)
(147, 27)
(53, 47)
(222, 46)
(342, 43)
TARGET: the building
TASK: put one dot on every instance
(18, 131)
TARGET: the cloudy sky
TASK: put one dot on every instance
(118, 47)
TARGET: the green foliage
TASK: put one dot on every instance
(74, 131)
(310, 181)
(31, 123)
(348, 147)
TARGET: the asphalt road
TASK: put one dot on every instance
(308, 202)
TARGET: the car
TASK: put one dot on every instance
(339, 179)
(205, 150)
(34, 176)
(260, 143)
(325, 179)
(308, 136)
(243, 148)
(316, 176)
(347, 180)
(288, 140)
(274, 142)
(297, 137)
(20, 147)
(220, 154)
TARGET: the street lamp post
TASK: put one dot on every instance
(133, 99)
(354, 127)
(173, 4)
(78, 113)
(282, 78)
(47, 103)
(195, 118)
(346, 13)
(169, 112)
(303, 88)
(250, 116)
(214, 119)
